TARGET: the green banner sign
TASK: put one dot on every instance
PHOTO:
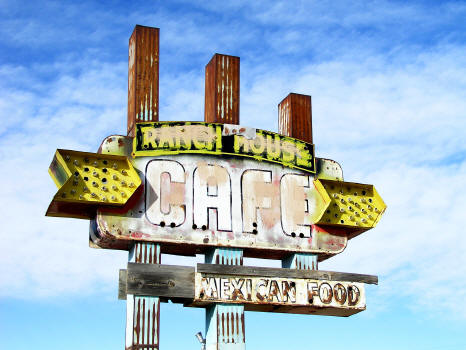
(171, 138)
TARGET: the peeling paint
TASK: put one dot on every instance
(171, 138)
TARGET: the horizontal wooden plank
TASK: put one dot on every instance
(242, 270)
(160, 280)
(122, 285)
(257, 288)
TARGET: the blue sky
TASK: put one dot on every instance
(388, 85)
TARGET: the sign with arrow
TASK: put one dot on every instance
(191, 200)
(194, 195)
(220, 189)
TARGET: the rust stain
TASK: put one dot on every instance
(222, 89)
(223, 325)
(242, 326)
(143, 76)
(295, 117)
(232, 323)
(137, 326)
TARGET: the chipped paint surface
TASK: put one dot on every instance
(295, 117)
(352, 204)
(171, 138)
(143, 313)
(203, 201)
(222, 80)
(143, 76)
(320, 297)
(225, 327)
(301, 261)
(88, 179)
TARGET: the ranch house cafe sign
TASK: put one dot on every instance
(220, 189)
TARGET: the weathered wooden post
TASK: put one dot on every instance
(143, 76)
(143, 312)
(295, 120)
(224, 323)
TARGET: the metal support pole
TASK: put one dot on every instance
(225, 322)
(143, 313)
(301, 261)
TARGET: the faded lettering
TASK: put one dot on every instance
(280, 291)
(212, 193)
(294, 190)
(256, 195)
(163, 138)
(165, 192)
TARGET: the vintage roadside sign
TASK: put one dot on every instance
(192, 201)
(220, 189)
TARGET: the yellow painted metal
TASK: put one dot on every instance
(93, 178)
(352, 204)
(172, 138)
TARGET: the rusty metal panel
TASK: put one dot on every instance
(292, 295)
(143, 76)
(295, 117)
(202, 201)
(143, 313)
(222, 90)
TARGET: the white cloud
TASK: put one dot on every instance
(395, 120)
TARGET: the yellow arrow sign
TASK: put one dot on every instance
(87, 179)
(351, 204)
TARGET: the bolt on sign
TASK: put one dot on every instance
(212, 187)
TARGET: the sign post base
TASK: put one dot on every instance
(225, 322)
(143, 312)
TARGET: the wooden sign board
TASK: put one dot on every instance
(289, 295)
(258, 289)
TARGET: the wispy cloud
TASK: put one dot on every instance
(389, 105)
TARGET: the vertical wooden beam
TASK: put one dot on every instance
(295, 120)
(225, 322)
(143, 313)
(143, 76)
(222, 90)
(142, 324)
(295, 117)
